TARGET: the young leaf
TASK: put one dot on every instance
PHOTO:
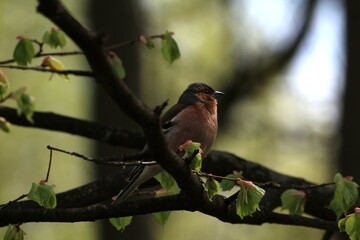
(293, 200)
(25, 104)
(169, 48)
(43, 194)
(351, 225)
(4, 125)
(24, 51)
(4, 85)
(189, 147)
(120, 223)
(54, 64)
(150, 44)
(167, 182)
(10, 233)
(213, 187)
(162, 217)
(55, 38)
(147, 41)
(117, 64)
(346, 193)
(248, 198)
(20, 235)
(227, 185)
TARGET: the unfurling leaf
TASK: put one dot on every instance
(4, 85)
(227, 185)
(14, 232)
(43, 194)
(351, 225)
(117, 64)
(25, 104)
(345, 196)
(190, 148)
(147, 41)
(4, 125)
(54, 38)
(54, 64)
(169, 48)
(24, 51)
(213, 187)
(10, 233)
(120, 223)
(293, 200)
(162, 217)
(167, 182)
(248, 198)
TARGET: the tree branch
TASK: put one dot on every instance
(77, 203)
(171, 203)
(51, 121)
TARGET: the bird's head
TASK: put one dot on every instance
(199, 93)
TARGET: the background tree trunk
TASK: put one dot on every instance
(118, 22)
(349, 153)
(350, 127)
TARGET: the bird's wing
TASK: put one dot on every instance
(134, 182)
(167, 120)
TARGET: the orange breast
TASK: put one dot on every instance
(194, 123)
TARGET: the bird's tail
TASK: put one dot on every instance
(134, 181)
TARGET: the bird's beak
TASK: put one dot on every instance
(217, 94)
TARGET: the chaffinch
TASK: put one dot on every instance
(193, 117)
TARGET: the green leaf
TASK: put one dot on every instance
(120, 223)
(345, 196)
(150, 44)
(55, 38)
(167, 182)
(248, 198)
(43, 194)
(54, 64)
(169, 48)
(20, 235)
(4, 85)
(147, 41)
(4, 125)
(213, 187)
(189, 147)
(293, 200)
(25, 104)
(10, 233)
(351, 225)
(162, 217)
(117, 64)
(341, 224)
(24, 51)
(227, 185)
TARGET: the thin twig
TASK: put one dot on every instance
(38, 55)
(133, 41)
(81, 73)
(14, 201)
(121, 160)
(49, 167)
(209, 175)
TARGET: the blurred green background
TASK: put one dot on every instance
(288, 125)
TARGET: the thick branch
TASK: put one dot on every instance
(52, 121)
(177, 202)
(77, 201)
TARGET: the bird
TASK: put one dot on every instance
(193, 117)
